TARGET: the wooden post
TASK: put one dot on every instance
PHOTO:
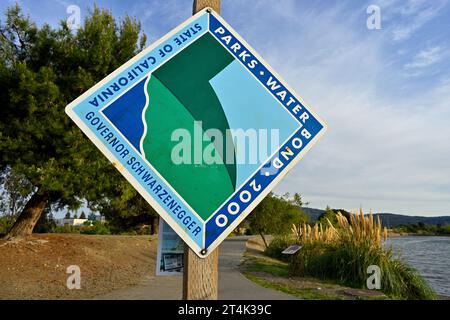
(202, 4)
(201, 276)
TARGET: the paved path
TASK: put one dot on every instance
(232, 284)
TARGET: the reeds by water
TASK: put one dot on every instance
(342, 252)
(361, 229)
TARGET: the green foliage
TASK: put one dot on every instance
(45, 224)
(424, 229)
(330, 215)
(90, 228)
(127, 212)
(15, 190)
(6, 223)
(82, 215)
(66, 229)
(304, 294)
(277, 245)
(96, 227)
(253, 268)
(275, 215)
(42, 69)
(446, 229)
(275, 268)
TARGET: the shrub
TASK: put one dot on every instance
(277, 246)
(303, 262)
(275, 215)
(45, 224)
(129, 233)
(66, 229)
(96, 228)
(6, 222)
(343, 254)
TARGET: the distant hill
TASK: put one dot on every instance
(394, 220)
(388, 219)
(312, 213)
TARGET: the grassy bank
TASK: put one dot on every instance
(274, 274)
(343, 252)
(421, 230)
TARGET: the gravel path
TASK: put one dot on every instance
(232, 284)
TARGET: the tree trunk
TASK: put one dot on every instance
(154, 227)
(24, 225)
(264, 239)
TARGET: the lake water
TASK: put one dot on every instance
(430, 256)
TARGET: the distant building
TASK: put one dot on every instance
(93, 217)
(70, 222)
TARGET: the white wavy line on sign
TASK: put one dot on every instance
(147, 102)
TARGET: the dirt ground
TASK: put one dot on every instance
(36, 268)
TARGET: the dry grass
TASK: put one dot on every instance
(361, 229)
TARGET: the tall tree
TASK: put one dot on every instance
(275, 215)
(126, 210)
(42, 69)
(329, 216)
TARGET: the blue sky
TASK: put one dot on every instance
(384, 93)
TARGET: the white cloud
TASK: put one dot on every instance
(411, 7)
(426, 58)
(412, 16)
(403, 32)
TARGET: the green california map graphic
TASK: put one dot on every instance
(203, 84)
(179, 93)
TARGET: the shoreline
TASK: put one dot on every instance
(402, 234)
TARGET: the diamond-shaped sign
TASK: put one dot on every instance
(201, 126)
